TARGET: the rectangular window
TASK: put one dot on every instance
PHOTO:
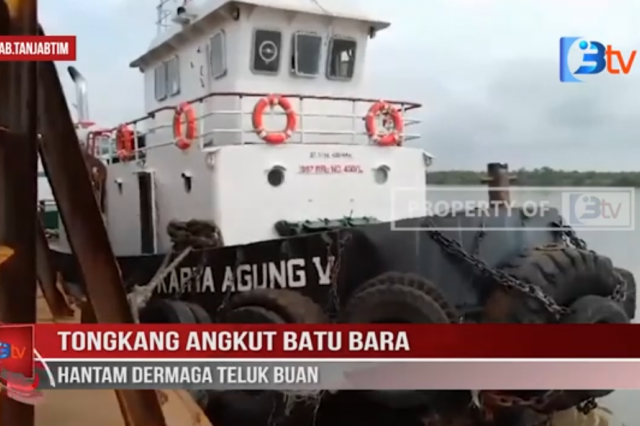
(218, 55)
(342, 58)
(267, 46)
(160, 81)
(173, 76)
(305, 55)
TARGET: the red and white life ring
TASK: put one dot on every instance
(274, 138)
(124, 142)
(184, 136)
(392, 137)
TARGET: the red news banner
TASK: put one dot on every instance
(37, 48)
(298, 357)
(144, 341)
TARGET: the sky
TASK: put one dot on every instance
(486, 72)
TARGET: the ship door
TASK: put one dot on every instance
(148, 235)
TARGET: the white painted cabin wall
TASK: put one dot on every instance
(252, 206)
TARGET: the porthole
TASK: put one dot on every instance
(275, 176)
(381, 174)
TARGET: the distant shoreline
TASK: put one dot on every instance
(541, 177)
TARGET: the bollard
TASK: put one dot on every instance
(498, 180)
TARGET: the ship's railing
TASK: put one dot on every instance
(225, 119)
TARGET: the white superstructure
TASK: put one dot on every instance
(220, 58)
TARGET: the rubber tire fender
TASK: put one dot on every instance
(564, 273)
(291, 306)
(587, 310)
(630, 302)
(174, 312)
(167, 311)
(253, 307)
(198, 312)
(399, 297)
(596, 310)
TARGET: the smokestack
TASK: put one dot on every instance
(82, 100)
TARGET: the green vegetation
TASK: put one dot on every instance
(544, 176)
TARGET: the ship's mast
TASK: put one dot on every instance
(164, 11)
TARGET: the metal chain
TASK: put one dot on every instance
(497, 398)
(334, 296)
(569, 235)
(587, 406)
(477, 240)
(537, 403)
(455, 249)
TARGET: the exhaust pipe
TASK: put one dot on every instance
(82, 101)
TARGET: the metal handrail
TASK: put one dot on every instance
(404, 106)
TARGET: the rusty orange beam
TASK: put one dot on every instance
(18, 187)
(65, 167)
(47, 277)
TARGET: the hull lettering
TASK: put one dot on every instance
(290, 273)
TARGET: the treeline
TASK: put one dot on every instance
(544, 176)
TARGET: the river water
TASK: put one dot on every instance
(623, 247)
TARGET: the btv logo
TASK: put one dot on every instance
(594, 57)
(594, 210)
(9, 351)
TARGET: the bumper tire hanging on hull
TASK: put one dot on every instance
(177, 312)
(580, 279)
(564, 273)
(399, 298)
(263, 306)
(587, 310)
(629, 303)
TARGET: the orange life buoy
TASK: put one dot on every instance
(274, 138)
(124, 142)
(384, 139)
(184, 139)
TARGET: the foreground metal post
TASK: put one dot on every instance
(499, 179)
(18, 187)
(67, 172)
(47, 277)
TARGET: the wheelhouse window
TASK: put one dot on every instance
(305, 55)
(167, 78)
(160, 81)
(173, 76)
(267, 49)
(342, 58)
(218, 55)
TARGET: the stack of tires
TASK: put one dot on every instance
(260, 306)
(169, 311)
(579, 279)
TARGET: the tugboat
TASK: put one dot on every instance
(258, 188)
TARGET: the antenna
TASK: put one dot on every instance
(164, 12)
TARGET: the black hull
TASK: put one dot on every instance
(362, 252)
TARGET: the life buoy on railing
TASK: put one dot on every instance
(392, 137)
(184, 137)
(274, 138)
(124, 142)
